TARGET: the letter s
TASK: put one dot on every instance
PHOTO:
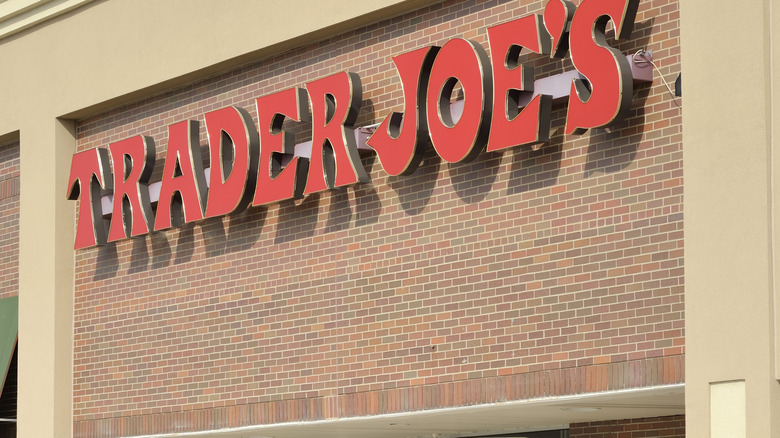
(611, 84)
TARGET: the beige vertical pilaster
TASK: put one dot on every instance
(45, 281)
(774, 17)
(730, 211)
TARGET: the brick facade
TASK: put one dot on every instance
(9, 220)
(521, 274)
(668, 427)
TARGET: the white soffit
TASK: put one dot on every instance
(546, 413)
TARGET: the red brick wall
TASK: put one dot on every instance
(9, 220)
(521, 274)
(671, 427)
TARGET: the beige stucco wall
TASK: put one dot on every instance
(100, 55)
(729, 116)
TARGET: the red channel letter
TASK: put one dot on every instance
(335, 161)
(400, 140)
(511, 126)
(273, 182)
(183, 186)
(89, 172)
(611, 84)
(233, 150)
(133, 162)
(463, 61)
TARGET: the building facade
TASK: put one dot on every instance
(606, 283)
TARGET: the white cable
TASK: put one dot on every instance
(642, 52)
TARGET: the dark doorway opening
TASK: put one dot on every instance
(8, 401)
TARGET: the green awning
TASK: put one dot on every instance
(9, 326)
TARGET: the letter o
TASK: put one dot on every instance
(464, 61)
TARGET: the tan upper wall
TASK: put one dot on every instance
(60, 76)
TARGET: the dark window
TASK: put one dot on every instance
(8, 402)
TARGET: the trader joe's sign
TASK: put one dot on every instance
(246, 165)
